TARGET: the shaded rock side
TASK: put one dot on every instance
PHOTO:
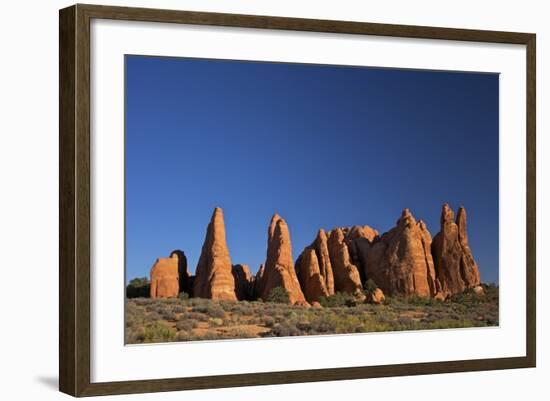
(279, 266)
(184, 276)
(309, 275)
(214, 276)
(400, 261)
(346, 275)
(244, 282)
(359, 240)
(165, 278)
(456, 269)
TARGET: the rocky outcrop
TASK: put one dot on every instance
(244, 282)
(307, 266)
(400, 262)
(359, 240)
(184, 276)
(309, 275)
(279, 266)
(346, 275)
(455, 266)
(165, 278)
(375, 297)
(214, 277)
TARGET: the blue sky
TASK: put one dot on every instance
(323, 146)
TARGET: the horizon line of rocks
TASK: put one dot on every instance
(403, 261)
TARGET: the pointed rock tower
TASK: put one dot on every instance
(214, 277)
(279, 266)
(400, 262)
(314, 269)
(455, 266)
(346, 274)
(309, 274)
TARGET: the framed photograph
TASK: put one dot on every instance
(249, 200)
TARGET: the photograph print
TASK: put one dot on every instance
(269, 199)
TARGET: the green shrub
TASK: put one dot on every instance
(158, 332)
(370, 286)
(183, 296)
(278, 295)
(138, 288)
(338, 299)
(417, 300)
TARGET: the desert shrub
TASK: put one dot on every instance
(285, 329)
(210, 309)
(186, 325)
(168, 314)
(417, 300)
(201, 317)
(140, 301)
(138, 287)
(183, 296)
(242, 308)
(134, 335)
(158, 332)
(154, 316)
(338, 299)
(269, 321)
(278, 295)
(178, 309)
(370, 286)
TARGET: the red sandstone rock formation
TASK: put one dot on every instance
(309, 275)
(359, 240)
(454, 263)
(279, 266)
(400, 262)
(376, 297)
(244, 282)
(346, 275)
(325, 283)
(165, 278)
(214, 277)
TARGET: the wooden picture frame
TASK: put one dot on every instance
(74, 200)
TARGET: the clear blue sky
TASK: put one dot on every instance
(323, 146)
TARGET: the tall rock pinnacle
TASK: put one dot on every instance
(455, 266)
(346, 274)
(214, 277)
(279, 266)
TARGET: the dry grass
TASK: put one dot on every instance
(164, 320)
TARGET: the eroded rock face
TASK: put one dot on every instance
(320, 245)
(309, 275)
(165, 278)
(279, 266)
(346, 275)
(455, 266)
(400, 262)
(214, 276)
(359, 240)
(325, 283)
(244, 282)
